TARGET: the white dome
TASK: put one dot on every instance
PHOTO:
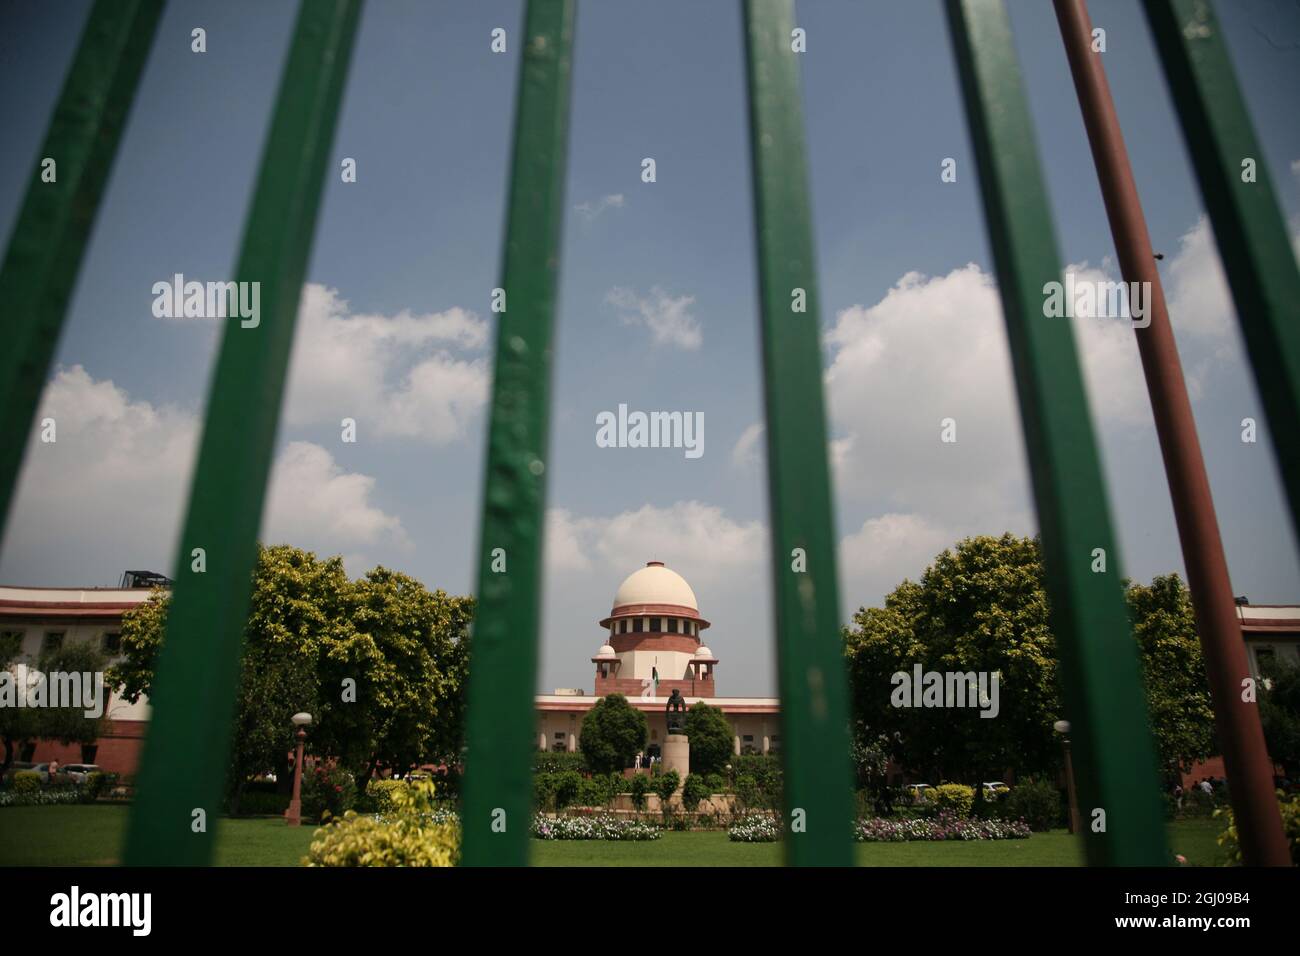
(655, 584)
(704, 652)
(605, 651)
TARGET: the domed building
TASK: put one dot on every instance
(652, 646)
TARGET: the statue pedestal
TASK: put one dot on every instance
(677, 756)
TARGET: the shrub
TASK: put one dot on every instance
(954, 797)
(755, 828)
(258, 804)
(715, 782)
(414, 834)
(693, 791)
(556, 761)
(599, 790)
(604, 827)
(1037, 802)
(640, 789)
(99, 783)
(378, 797)
(567, 784)
(26, 781)
(666, 785)
(1290, 824)
(711, 738)
(758, 780)
(747, 790)
(613, 732)
(327, 790)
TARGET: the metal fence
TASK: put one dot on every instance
(184, 761)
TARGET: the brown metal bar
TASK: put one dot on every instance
(1245, 757)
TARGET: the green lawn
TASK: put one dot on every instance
(1194, 839)
(91, 835)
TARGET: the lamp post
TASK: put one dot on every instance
(1062, 727)
(293, 816)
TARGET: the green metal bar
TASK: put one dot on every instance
(197, 675)
(1112, 744)
(49, 239)
(1248, 225)
(498, 790)
(818, 803)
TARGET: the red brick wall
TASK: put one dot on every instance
(119, 748)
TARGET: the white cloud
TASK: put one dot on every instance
(1196, 288)
(667, 317)
(590, 210)
(878, 556)
(312, 498)
(685, 535)
(396, 375)
(746, 451)
(1112, 366)
(109, 493)
(931, 349)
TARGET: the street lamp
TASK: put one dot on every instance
(293, 816)
(1062, 727)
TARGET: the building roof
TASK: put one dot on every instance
(655, 584)
(68, 603)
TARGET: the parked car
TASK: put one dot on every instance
(994, 788)
(43, 769)
(79, 772)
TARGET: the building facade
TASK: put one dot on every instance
(41, 619)
(653, 645)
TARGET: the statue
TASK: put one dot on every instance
(676, 711)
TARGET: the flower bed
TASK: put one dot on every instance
(945, 826)
(762, 828)
(593, 828)
(755, 828)
(44, 798)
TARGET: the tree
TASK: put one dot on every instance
(379, 663)
(982, 607)
(1279, 710)
(408, 655)
(711, 738)
(613, 733)
(1177, 688)
(66, 724)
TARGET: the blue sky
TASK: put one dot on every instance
(657, 302)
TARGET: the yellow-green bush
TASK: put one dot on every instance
(956, 797)
(410, 835)
(379, 795)
(1290, 823)
(26, 781)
